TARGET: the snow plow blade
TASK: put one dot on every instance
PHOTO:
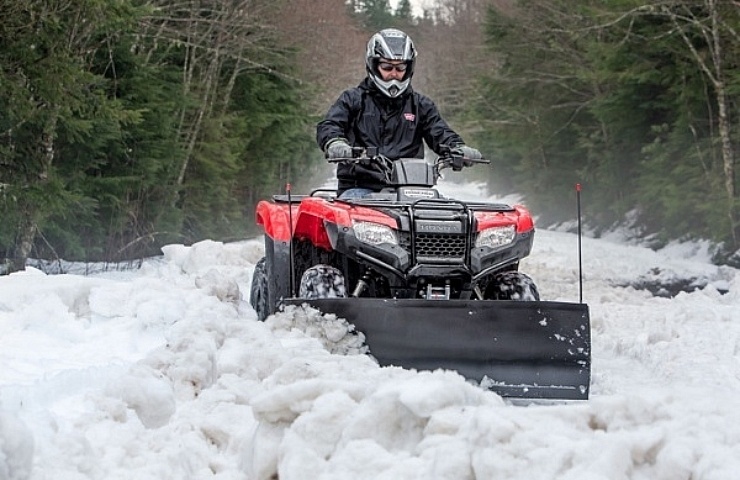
(538, 350)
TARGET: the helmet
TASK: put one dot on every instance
(390, 44)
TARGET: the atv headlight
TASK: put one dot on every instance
(374, 233)
(496, 237)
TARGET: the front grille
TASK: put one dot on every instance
(443, 246)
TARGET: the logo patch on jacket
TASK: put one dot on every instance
(409, 116)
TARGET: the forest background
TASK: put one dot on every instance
(129, 124)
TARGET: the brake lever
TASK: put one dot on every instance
(458, 162)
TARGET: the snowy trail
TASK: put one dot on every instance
(165, 373)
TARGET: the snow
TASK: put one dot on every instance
(165, 373)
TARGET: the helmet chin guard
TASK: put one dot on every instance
(390, 44)
(392, 88)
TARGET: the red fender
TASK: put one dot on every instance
(519, 217)
(309, 217)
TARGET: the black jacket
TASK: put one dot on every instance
(398, 127)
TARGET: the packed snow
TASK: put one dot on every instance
(165, 373)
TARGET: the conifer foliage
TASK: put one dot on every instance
(635, 99)
(129, 124)
(126, 125)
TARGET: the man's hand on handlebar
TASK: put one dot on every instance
(338, 148)
(460, 156)
(362, 155)
(469, 154)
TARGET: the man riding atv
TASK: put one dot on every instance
(430, 282)
(385, 113)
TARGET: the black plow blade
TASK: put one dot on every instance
(538, 350)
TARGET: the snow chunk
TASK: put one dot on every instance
(148, 393)
(16, 448)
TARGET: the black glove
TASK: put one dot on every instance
(338, 148)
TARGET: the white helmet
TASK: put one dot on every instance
(390, 44)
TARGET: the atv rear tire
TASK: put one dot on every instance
(512, 286)
(258, 294)
(322, 281)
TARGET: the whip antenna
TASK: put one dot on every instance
(290, 241)
(580, 256)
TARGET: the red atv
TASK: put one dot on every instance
(432, 282)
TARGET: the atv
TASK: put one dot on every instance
(432, 282)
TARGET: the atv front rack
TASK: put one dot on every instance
(538, 350)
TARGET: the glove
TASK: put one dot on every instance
(468, 153)
(338, 148)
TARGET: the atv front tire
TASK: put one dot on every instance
(258, 295)
(512, 286)
(322, 281)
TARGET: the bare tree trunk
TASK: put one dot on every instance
(28, 224)
(728, 158)
(208, 86)
(226, 96)
(715, 72)
(725, 127)
(24, 242)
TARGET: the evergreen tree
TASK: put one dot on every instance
(618, 96)
(533, 107)
(374, 14)
(404, 14)
(50, 97)
(138, 127)
(131, 183)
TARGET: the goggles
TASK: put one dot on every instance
(387, 67)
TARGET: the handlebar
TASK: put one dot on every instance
(359, 155)
(446, 159)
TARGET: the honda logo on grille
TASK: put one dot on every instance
(437, 227)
